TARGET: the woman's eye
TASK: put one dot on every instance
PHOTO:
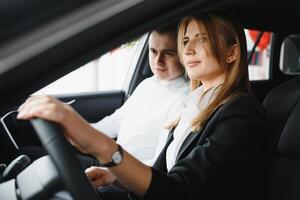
(202, 39)
(185, 42)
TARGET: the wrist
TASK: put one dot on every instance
(105, 150)
(114, 159)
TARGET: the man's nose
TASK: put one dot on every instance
(159, 59)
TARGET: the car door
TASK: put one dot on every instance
(37, 29)
(104, 100)
(95, 105)
(92, 97)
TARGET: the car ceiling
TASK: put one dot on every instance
(19, 17)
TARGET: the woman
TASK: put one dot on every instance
(214, 150)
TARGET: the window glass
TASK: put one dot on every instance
(259, 66)
(114, 69)
(109, 72)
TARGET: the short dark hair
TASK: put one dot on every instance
(167, 28)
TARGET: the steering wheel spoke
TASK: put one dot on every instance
(67, 165)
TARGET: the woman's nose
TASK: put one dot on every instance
(189, 49)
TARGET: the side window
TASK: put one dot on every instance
(111, 71)
(259, 65)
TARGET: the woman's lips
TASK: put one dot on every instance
(192, 63)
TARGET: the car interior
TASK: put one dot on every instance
(41, 41)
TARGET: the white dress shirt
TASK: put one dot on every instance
(140, 122)
(192, 105)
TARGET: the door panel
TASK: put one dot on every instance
(94, 106)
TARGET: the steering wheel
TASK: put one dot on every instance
(60, 152)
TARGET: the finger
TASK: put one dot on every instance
(35, 100)
(38, 100)
(99, 182)
(48, 111)
(92, 172)
(91, 169)
(26, 101)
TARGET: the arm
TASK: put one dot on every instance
(110, 125)
(88, 139)
(227, 156)
(226, 163)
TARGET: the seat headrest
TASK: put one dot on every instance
(282, 106)
(290, 55)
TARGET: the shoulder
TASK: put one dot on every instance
(238, 111)
(243, 104)
(240, 115)
(183, 83)
(181, 87)
(146, 83)
(185, 87)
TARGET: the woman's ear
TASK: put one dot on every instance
(232, 54)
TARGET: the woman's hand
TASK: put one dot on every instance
(77, 130)
(45, 107)
(91, 141)
(100, 176)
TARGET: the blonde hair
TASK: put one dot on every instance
(222, 32)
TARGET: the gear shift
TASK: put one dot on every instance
(15, 167)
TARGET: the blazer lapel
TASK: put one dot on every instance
(199, 136)
(160, 162)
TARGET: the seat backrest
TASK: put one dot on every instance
(282, 107)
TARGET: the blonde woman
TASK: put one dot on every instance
(214, 150)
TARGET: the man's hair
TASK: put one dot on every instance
(167, 28)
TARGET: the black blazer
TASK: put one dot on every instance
(222, 161)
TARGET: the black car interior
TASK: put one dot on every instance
(283, 140)
(282, 105)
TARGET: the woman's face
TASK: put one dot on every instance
(200, 64)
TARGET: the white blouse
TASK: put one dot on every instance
(140, 122)
(192, 105)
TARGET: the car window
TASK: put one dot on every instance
(111, 71)
(259, 65)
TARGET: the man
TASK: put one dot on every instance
(140, 124)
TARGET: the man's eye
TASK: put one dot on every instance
(170, 53)
(152, 51)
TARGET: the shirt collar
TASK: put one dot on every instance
(199, 93)
(169, 84)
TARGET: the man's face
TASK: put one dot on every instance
(163, 56)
